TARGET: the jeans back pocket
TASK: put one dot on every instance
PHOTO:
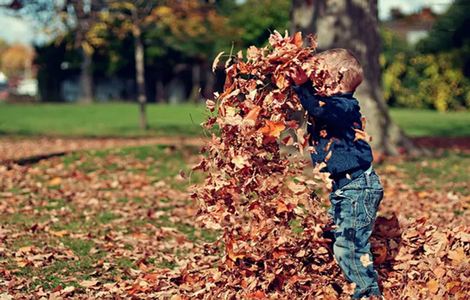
(369, 204)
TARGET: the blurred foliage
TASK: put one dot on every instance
(15, 59)
(175, 32)
(193, 28)
(3, 47)
(270, 15)
(451, 33)
(428, 76)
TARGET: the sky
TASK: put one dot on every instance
(15, 30)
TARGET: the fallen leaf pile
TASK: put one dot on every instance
(95, 225)
(272, 230)
(416, 260)
(120, 224)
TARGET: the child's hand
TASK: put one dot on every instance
(299, 77)
(305, 89)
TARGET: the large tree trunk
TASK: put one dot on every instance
(86, 78)
(140, 77)
(353, 24)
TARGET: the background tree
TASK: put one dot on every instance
(133, 17)
(270, 15)
(61, 18)
(197, 31)
(354, 25)
(450, 34)
(83, 15)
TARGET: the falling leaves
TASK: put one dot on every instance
(272, 129)
(216, 61)
(256, 194)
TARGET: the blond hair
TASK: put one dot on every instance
(341, 63)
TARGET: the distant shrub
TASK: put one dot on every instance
(416, 80)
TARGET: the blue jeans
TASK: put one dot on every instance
(353, 210)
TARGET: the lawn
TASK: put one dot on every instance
(114, 119)
(121, 119)
(432, 123)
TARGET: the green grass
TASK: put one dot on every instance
(121, 119)
(432, 123)
(447, 171)
(110, 119)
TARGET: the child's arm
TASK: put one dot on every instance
(309, 99)
(336, 111)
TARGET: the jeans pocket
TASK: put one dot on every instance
(370, 204)
(341, 208)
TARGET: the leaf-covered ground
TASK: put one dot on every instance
(103, 224)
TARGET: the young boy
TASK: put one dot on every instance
(334, 126)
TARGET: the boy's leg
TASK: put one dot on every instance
(354, 213)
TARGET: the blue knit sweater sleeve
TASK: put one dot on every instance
(332, 111)
(308, 99)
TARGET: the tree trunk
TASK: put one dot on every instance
(196, 81)
(208, 80)
(86, 77)
(140, 77)
(159, 90)
(353, 24)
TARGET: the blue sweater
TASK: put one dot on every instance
(331, 127)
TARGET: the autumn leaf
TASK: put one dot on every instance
(256, 295)
(458, 256)
(281, 81)
(365, 260)
(433, 286)
(252, 117)
(272, 128)
(55, 181)
(296, 187)
(216, 61)
(361, 135)
(281, 207)
(231, 253)
(297, 39)
(328, 156)
(239, 161)
(88, 283)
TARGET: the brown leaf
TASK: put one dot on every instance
(272, 128)
(216, 61)
(88, 283)
(433, 286)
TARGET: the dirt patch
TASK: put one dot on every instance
(33, 149)
(442, 142)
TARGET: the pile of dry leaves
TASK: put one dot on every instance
(271, 229)
(259, 198)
